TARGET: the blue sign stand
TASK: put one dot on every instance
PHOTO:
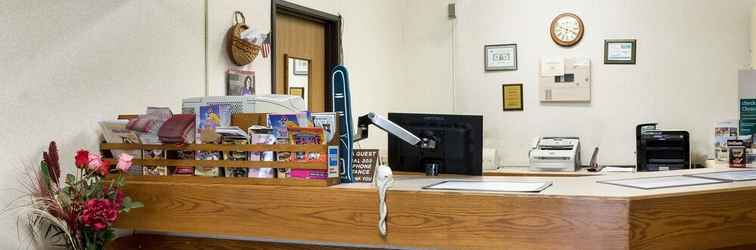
(342, 105)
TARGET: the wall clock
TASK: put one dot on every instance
(567, 29)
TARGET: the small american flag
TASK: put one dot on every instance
(266, 46)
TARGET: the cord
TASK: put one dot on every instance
(452, 63)
(384, 179)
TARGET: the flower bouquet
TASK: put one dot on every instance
(77, 211)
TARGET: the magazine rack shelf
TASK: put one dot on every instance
(322, 149)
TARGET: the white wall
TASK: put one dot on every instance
(689, 52)
(428, 50)
(68, 64)
(220, 17)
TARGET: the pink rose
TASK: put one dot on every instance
(124, 162)
(99, 214)
(95, 161)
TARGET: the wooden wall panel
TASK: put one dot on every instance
(163, 242)
(349, 216)
(297, 37)
(694, 221)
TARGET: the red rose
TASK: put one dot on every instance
(119, 199)
(104, 169)
(82, 158)
(99, 214)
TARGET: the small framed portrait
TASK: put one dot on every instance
(500, 57)
(240, 82)
(297, 91)
(511, 95)
(620, 51)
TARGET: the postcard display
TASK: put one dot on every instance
(291, 149)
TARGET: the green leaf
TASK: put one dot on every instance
(129, 204)
(95, 190)
(120, 181)
(137, 204)
(45, 172)
(126, 204)
(108, 235)
(70, 179)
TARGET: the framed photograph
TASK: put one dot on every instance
(511, 96)
(500, 57)
(297, 91)
(619, 51)
(240, 82)
(301, 67)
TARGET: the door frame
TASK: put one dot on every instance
(333, 53)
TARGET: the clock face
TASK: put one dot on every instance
(567, 29)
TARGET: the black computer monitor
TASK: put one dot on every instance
(454, 142)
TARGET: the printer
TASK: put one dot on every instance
(555, 154)
(661, 149)
(247, 104)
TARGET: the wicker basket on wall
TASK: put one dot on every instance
(240, 51)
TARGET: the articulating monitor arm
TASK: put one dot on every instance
(379, 121)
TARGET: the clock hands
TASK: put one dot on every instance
(564, 34)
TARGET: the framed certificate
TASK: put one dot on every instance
(500, 57)
(297, 91)
(511, 95)
(301, 66)
(619, 51)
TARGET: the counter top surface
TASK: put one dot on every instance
(574, 186)
(576, 212)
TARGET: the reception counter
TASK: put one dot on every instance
(576, 212)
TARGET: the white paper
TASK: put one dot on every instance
(501, 57)
(491, 186)
(620, 51)
(552, 66)
(617, 169)
(662, 182)
(730, 175)
(233, 131)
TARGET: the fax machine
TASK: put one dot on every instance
(555, 154)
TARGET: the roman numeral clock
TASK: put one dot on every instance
(567, 29)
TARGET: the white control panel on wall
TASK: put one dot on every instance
(565, 79)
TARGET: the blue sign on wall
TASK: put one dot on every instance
(747, 116)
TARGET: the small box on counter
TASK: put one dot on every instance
(737, 153)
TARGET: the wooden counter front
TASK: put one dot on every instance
(575, 213)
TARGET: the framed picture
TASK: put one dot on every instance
(240, 82)
(500, 57)
(620, 51)
(511, 96)
(297, 91)
(301, 66)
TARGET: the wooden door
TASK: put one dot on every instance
(301, 38)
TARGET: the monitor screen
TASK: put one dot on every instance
(454, 142)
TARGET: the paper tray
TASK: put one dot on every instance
(490, 186)
(744, 175)
(662, 182)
